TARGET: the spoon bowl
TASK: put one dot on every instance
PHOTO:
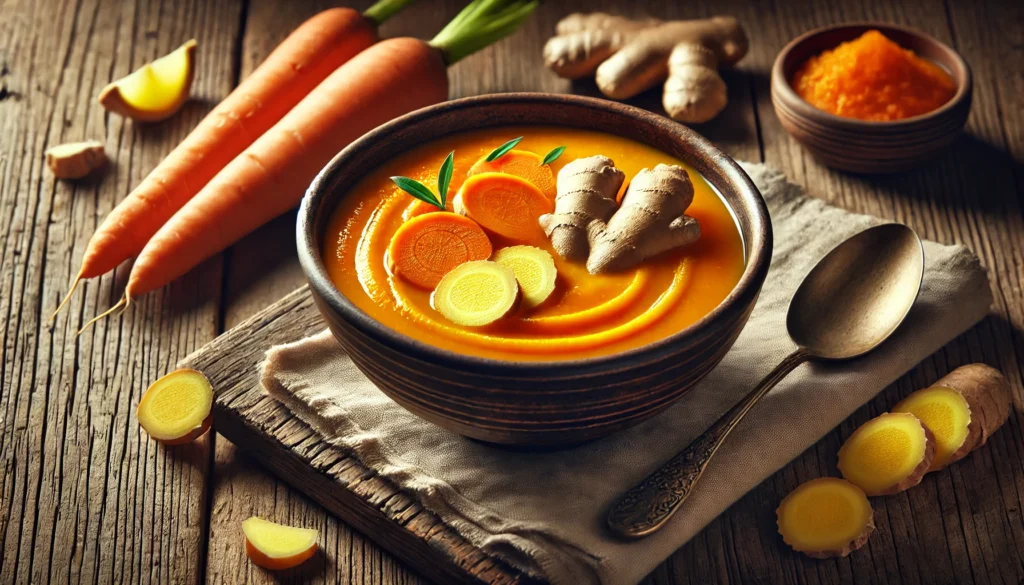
(858, 294)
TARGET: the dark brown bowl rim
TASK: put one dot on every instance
(780, 84)
(744, 293)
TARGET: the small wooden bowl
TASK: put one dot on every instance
(870, 147)
(530, 403)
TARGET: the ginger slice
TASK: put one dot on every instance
(504, 204)
(176, 409)
(947, 415)
(587, 188)
(987, 392)
(523, 164)
(476, 293)
(156, 90)
(888, 454)
(649, 221)
(75, 160)
(534, 269)
(277, 546)
(826, 517)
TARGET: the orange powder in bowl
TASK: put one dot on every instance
(873, 78)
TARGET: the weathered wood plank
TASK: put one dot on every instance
(87, 497)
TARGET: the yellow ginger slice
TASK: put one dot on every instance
(276, 546)
(156, 90)
(826, 517)
(987, 392)
(176, 409)
(887, 454)
(476, 293)
(947, 415)
(534, 269)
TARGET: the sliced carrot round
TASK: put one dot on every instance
(427, 247)
(505, 205)
(523, 164)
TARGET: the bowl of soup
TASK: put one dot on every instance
(600, 351)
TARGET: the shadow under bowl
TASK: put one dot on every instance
(861, 146)
(534, 404)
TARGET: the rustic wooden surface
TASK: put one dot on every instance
(86, 497)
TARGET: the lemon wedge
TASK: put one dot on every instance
(156, 90)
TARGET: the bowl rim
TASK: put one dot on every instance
(781, 85)
(743, 294)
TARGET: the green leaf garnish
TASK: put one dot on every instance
(417, 190)
(503, 149)
(444, 176)
(553, 155)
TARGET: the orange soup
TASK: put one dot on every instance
(587, 314)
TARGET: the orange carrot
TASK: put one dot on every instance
(507, 205)
(521, 163)
(304, 59)
(428, 246)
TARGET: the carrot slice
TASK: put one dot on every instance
(523, 164)
(506, 205)
(427, 247)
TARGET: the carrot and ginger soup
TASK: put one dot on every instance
(491, 283)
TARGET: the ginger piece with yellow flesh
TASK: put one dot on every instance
(277, 546)
(649, 221)
(154, 91)
(587, 188)
(534, 269)
(476, 293)
(75, 160)
(888, 454)
(629, 57)
(826, 517)
(523, 164)
(176, 409)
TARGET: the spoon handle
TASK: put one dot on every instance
(645, 508)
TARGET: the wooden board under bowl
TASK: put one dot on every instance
(331, 476)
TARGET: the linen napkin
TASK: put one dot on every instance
(544, 512)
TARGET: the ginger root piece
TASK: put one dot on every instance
(276, 546)
(987, 392)
(477, 293)
(523, 164)
(888, 454)
(629, 57)
(826, 517)
(649, 221)
(534, 269)
(947, 414)
(75, 160)
(587, 188)
(176, 409)
(156, 90)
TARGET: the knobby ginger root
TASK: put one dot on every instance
(587, 188)
(629, 57)
(75, 160)
(649, 221)
(176, 409)
(826, 517)
(477, 293)
(888, 454)
(534, 269)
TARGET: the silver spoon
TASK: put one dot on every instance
(850, 303)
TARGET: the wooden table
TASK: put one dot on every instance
(85, 496)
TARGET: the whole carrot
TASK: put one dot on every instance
(304, 59)
(386, 80)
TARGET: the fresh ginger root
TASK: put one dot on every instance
(587, 188)
(888, 454)
(826, 517)
(628, 57)
(176, 409)
(75, 160)
(649, 221)
(962, 410)
(534, 269)
(477, 293)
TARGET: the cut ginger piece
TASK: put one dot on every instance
(523, 164)
(888, 454)
(948, 416)
(156, 90)
(506, 205)
(987, 392)
(477, 293)
(276, 546)
(176, 409)
(826, 517)
(428, 246)
(534, 269)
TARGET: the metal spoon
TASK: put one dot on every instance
(850, 303)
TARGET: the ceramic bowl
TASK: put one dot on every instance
(511, 402)
(870, 147)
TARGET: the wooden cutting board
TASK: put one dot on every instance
(270, 434)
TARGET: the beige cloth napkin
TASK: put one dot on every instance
(544, 512)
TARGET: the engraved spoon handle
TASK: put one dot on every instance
(648, 505)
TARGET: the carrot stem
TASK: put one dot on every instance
(479, 24)
(385, 9)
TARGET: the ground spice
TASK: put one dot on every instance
(873, 78)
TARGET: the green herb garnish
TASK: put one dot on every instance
(503, 149)
(422, 192)
(553, 155)
(444, 176)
